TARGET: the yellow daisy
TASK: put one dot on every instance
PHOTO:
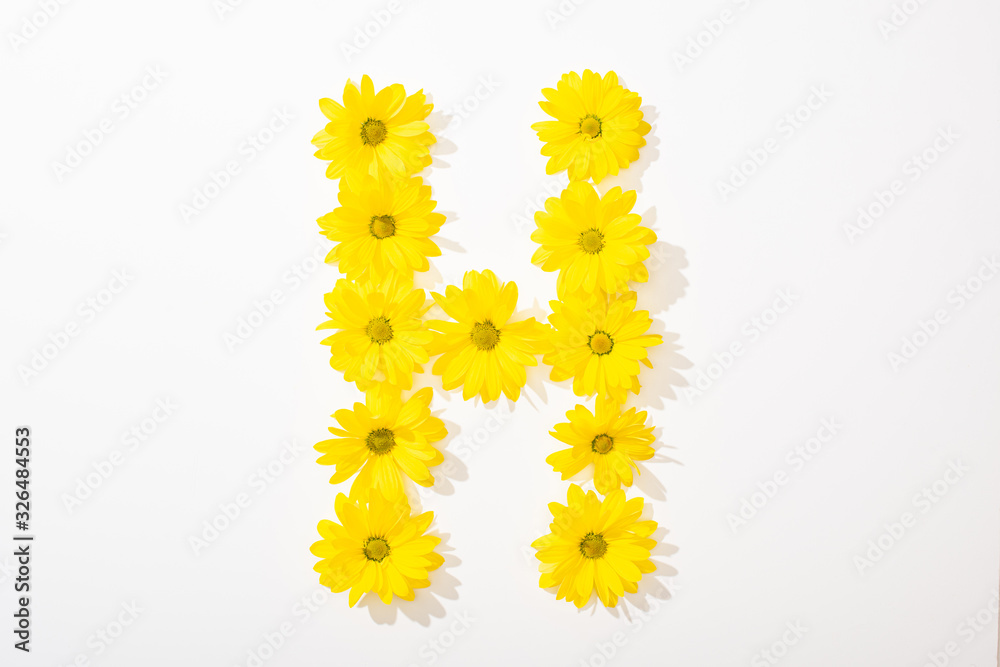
(611, 441)
(381, 227)
(384, 438)
(381, 336)
(376, 547)
(598, 127)
(592, 241)
(483, 351)
(599, 342)
(595, 545)
(381, 134)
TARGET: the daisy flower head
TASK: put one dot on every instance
(381, 227)
(598, 127)
(595, 544)
(380, 334)
(599, 341)
(377, 547)
(382, 440)
(382, 134)
(592, 241)
(610, 440)
(484, 350)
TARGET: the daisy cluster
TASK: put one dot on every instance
(598, 246)
(376, 144)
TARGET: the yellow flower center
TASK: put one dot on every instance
(379, 330)
(593, 545)
(602, 444)
(382, 226)
(591, 126)
(376, 549)
(380, 441)
(601, 343)
(373, 132)
(484, 335)
(591, 241)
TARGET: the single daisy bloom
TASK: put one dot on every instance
(377, 547)
(599, 341)
(381, 227)
(595, 545)
(612, 441)
(592, 241)
(382, 134)
(483, 350)
(380, 334)
(598, 127)
(383, 439)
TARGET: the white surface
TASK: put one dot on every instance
(724, 263)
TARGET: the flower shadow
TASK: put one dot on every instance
(630, 178)
(537, 378)
(659, 382)
(646, 482)
(426, 603)
(657, 584)
(452, 469)
(438, 121)
(667, 284)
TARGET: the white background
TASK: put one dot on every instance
(721, 595)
